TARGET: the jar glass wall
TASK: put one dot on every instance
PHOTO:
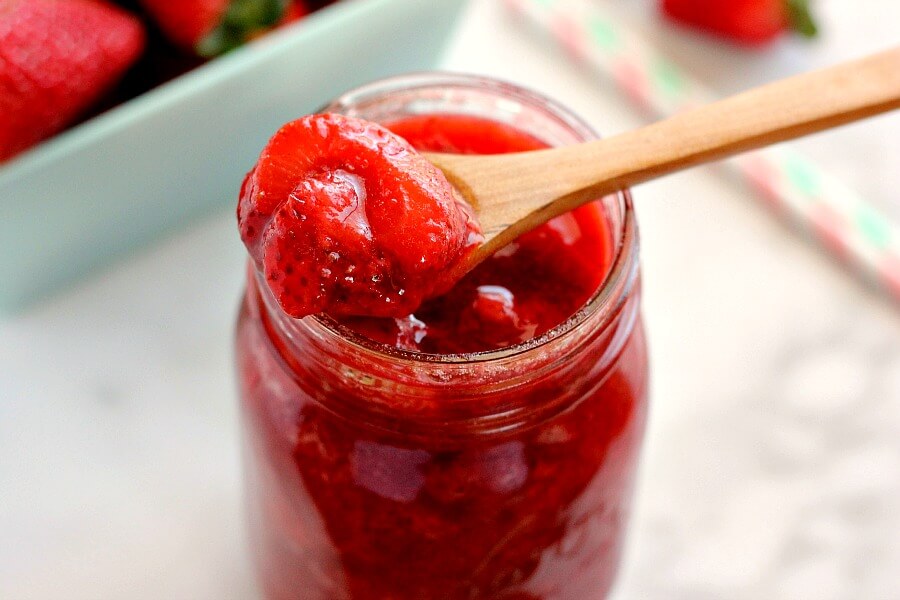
(373, 472)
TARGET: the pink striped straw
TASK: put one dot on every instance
(795, 188)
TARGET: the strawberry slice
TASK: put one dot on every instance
(57, 57)
(344, 217)
(752, 22)
(212, 27)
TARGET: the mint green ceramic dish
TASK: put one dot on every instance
(158, 161)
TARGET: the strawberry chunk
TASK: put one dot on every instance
(58, 57)
(344, 217)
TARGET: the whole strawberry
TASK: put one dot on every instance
(57, 57)
(212, 27)
(752, 22)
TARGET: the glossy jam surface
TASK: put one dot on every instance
(522, 291)
(375, 478)
(344, 217)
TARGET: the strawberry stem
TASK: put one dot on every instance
(801, 18)
(241, 21)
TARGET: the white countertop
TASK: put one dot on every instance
(772, 463)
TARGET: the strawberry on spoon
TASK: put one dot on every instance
(344, 217)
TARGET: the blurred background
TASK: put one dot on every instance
(772, 460)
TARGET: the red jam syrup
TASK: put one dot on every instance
(377, 477)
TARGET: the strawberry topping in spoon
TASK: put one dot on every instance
(344, 217)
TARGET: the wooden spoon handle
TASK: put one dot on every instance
(554, 181)
(780, 111)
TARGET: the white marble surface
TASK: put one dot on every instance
(772, 464)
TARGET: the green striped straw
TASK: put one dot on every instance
(818, 204)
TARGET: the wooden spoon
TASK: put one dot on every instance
(514, 193)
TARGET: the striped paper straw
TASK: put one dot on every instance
(816, 203)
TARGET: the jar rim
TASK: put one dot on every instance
(607, 298)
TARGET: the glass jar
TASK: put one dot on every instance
(378, 473)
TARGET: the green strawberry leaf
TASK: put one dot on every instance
(801, 18)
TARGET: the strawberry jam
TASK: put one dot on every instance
(482, 446)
